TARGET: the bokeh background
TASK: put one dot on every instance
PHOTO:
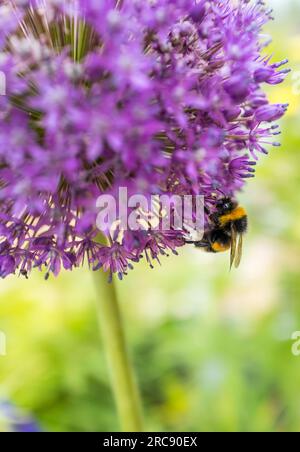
(212, 349)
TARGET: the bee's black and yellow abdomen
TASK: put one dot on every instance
(218, 241)
(215, 241)
(218, 247)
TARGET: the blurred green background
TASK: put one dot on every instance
(212, 349)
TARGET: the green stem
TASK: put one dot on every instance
(123, 380)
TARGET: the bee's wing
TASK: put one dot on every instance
(233, 246)
(239, 251)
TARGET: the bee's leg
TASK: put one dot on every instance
(202, 244)
(198, 243)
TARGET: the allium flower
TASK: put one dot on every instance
(159, 96)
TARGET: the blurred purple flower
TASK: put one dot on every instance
(158, 96)
(13, 420)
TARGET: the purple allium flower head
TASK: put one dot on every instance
(159, 96)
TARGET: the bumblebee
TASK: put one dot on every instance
(228, 225)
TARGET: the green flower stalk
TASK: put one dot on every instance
(122, 376)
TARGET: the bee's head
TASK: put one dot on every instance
(226, 205)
